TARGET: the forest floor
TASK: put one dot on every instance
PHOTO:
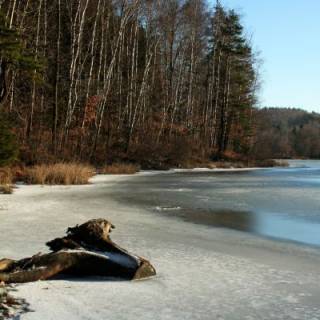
(203, 272)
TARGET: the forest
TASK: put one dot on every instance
(145, 81)
(287, 133)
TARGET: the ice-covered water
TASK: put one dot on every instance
(203, 273)
(282, 203)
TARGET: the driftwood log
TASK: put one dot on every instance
(87, 250)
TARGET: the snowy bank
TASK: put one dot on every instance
(203, 273)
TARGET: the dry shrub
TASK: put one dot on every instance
(282, 163)
(59, 174)
(6, 188)
(120, 168)
(6, 180)
(227, 164)
(18, 173)
(5, 176)
(179, 152)
(222, 165)
(232, 156)
(267, 163)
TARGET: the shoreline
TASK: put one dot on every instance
(203, 272)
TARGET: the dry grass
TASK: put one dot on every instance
(59, 174)
(6, 181)
(5, 176)
(270, 163)
(120, 168)
(282, 163)
(227, 165)
(6, 188)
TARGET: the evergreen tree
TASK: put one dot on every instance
(232, 82)
(8, 146)
(12, 53)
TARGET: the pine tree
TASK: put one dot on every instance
(233, 82)
(8, 146)
(13, 53)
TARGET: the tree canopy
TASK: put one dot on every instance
(144, 80)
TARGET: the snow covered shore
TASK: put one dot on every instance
(203, 273)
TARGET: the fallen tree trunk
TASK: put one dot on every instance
(87, 250)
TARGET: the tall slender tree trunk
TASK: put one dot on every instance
(55, 109)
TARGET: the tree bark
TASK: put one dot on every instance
(87, 250)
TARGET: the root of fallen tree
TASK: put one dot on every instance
(87, 250)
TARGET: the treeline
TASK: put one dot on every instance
(108, 80)
(287, 133)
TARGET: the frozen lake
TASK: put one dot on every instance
(203, 273)
(282, 203)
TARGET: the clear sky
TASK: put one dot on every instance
(287, 35)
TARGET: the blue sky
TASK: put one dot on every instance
(287, 35)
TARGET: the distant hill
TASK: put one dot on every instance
(287, 133)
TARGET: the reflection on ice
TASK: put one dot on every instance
(282, 203)
(263, 224)
(276, 226)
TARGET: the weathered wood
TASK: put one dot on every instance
(87, 250)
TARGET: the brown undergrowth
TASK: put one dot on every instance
(120, 168)
(59, 174)
(6, 180)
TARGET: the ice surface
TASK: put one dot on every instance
(203, 273)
